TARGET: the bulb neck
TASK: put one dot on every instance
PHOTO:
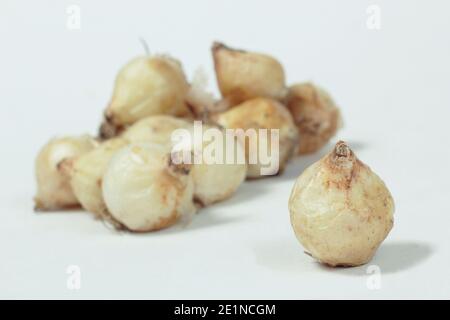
(342, 156)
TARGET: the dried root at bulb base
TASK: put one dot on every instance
(340, 210)
(108, 129)
(315, 114)
(200, 101)
(87, 175)
(145, 191)
(243, 75)
(262, 113)
(145, 86)
(53, 187)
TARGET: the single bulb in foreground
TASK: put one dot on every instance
(144, 190)
(53, 186)
(340, 210)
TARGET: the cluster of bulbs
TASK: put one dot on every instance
(340, 210)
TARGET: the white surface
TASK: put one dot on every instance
(393, 87)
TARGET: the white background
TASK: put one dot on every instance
(392, 85)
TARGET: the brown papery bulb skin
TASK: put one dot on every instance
(51, 167)
(262, 113)
(146, 86)
(340, 210)
(243, 75)
(315, 114)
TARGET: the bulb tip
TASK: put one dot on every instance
(177, 164)
(217, 45)
(342, 149)
(222, 46)
(341, 154)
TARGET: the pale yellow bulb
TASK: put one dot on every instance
(155, 129)
(214, 179)
(53, 186)
(87, 175)
(243, 75)
(222, 168)
(315, 114)
(262, 113)
(145, 86)
(145, 191)
(340, 209)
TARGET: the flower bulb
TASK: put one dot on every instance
(145, 190)
(199, 99)
(53, 186)
(340, 210)
(87, 175)
(222, 168)
(243, 75)
(145, 86)
(263, 113)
